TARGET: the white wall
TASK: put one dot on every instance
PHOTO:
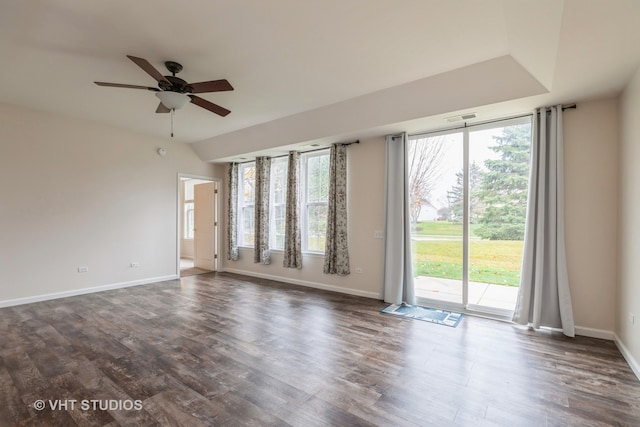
(76, 193)
(591, 198)
(493, 81)
(366, 200)
(628, 290)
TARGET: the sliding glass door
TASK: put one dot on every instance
(435, 165)
(468, 192)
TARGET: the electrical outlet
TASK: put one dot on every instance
(358, 270)
(135, 264)
(83, 269)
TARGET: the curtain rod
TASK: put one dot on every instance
(357, 141)
(564, 107)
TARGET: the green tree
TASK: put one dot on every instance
(504, 186)
(455, 196)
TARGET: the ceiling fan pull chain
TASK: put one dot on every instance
(172, 111)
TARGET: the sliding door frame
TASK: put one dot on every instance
(465, 307)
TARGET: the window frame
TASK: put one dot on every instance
(188, 214)
(304, 203)
(273, 236)
(242, 203)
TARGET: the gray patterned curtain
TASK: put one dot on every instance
(232, 219)
(261, 253)
(336, 252)
(292, 235)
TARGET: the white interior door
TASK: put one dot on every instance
(205, 226)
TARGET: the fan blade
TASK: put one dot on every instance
(162, 109)
(209, 105)
(148, 68)
(127, 86)
(210, 86)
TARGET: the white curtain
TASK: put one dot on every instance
(544, 298)
(292, 235)
(336, 253)
(232, 219)
(261, 252)
(398, 268)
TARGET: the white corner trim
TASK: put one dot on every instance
(83, 291)
(594, 333)
(306, 283)
(633, 363)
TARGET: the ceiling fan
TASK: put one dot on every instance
(174, 92)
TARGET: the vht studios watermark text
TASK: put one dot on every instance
(88, 405)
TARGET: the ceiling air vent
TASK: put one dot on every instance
(460, 118)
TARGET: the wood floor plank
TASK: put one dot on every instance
(11, 405)
(228, 350)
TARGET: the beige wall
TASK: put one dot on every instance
(75, 193)
(365, 204)
(591, 135)
(82, 194)
(591, 197)
(628, 295)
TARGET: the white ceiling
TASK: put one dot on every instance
(287, 59)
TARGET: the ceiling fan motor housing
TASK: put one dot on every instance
(177, 85)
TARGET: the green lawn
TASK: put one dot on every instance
(442, 228)
(490, 261)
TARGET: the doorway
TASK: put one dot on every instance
(469, 190)
(197, 225)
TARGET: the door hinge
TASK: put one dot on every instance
(215, 256)
(215, 191)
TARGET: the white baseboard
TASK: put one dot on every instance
(306, 283)
(83, 291)
(633, 363)
(594, 333)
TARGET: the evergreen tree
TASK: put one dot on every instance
(504, 186)
(455, 196)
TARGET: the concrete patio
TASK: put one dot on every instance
(489, 295)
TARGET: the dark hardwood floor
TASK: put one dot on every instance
(222, 349)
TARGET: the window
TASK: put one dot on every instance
(188, 220)
(246, 202)
(278, 206)
(315, 196)
(188, 209)
(314, 193)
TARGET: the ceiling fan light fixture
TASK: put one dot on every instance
(173, 100)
